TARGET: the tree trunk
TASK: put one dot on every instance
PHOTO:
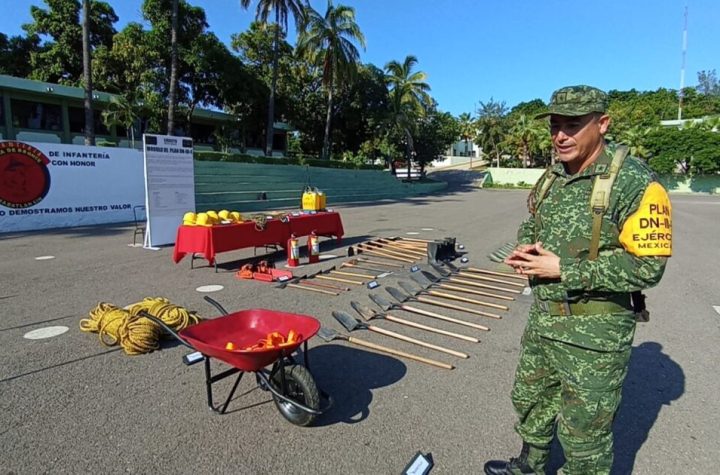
(87, 76)
(172, 93)
(328, 118)
(270, 129)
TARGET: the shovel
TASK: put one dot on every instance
(473, 283)
(305, 287)
(330, 335)
(426, 279)
(409, 289)
(386, 305)
(401, 297)
(471, 275)
(369, 314)
(352, 324)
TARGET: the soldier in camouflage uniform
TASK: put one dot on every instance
(577, 341)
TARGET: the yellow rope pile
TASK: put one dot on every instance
(134, 333)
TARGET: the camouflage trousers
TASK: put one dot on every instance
(574, 389)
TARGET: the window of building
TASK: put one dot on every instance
(202, 133)
(35, 115)
(77, 121)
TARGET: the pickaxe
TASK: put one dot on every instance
(387, 305)
(330, 335)
(417, 296)
(369, 314)
(426, 279)
(350, 323)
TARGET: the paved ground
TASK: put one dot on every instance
(70, 405)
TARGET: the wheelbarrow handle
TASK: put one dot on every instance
(145, 314)
(215, 304)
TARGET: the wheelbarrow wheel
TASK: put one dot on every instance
(301, 387)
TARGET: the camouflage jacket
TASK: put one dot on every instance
(563, 223)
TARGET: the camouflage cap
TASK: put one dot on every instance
(576, 101)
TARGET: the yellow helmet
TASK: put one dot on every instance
(189, 218)
(202, 219)
(224, 214)
(236, 216)
(213, 217)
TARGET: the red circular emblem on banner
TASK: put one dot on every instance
(24, 177)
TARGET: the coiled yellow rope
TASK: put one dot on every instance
(134, 333)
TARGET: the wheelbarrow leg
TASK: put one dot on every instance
(209, 380)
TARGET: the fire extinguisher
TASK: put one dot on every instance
(293, 250)
(313, 244)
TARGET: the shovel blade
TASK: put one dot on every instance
(421, 280)
(408, 288)
(430, 276)
(381, 302)
(396, 294)
(327, 334)
(365, 312)
(440, 270)
(347, 321)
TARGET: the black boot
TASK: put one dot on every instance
(514, 466)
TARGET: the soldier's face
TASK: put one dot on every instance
(578, 139)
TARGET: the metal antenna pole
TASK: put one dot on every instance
(682, 68)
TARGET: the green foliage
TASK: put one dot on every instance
(243, 158)
(492, 126)
(689, 150)
(59, 58)
(436, 132)
(14, 54)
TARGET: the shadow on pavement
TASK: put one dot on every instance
(654, 380)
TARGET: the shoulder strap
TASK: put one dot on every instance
(540, 190)
(600, 197)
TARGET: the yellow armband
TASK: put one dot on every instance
(648, 231)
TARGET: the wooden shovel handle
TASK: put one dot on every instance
(338, 279)
(465, 299)
(355, 266)
(410, 356)
(389, 252)
(483, 286)
(408, 245)
(311, 289)
(384, 254)
(414, 240)
(408, 339)
(475, 292)
(324, 285)
(444, 318)
(457, 307)
(352, 274)
(500, 274)
(420, 326)
(472, 275)
(398, 249)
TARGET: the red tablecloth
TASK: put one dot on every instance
(211, 240)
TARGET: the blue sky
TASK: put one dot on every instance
(512, 50)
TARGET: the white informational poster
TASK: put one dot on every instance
(169, 186)
(48, 185)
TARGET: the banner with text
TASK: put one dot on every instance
(169, 186)
(47, 185)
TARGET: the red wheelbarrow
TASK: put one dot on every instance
(293, 387)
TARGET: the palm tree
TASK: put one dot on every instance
(172, 89)
(525, 133)
(122, 111)
(281, 7)
(87, 75)
(467, 130)
(409, 99)
(328, 43)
